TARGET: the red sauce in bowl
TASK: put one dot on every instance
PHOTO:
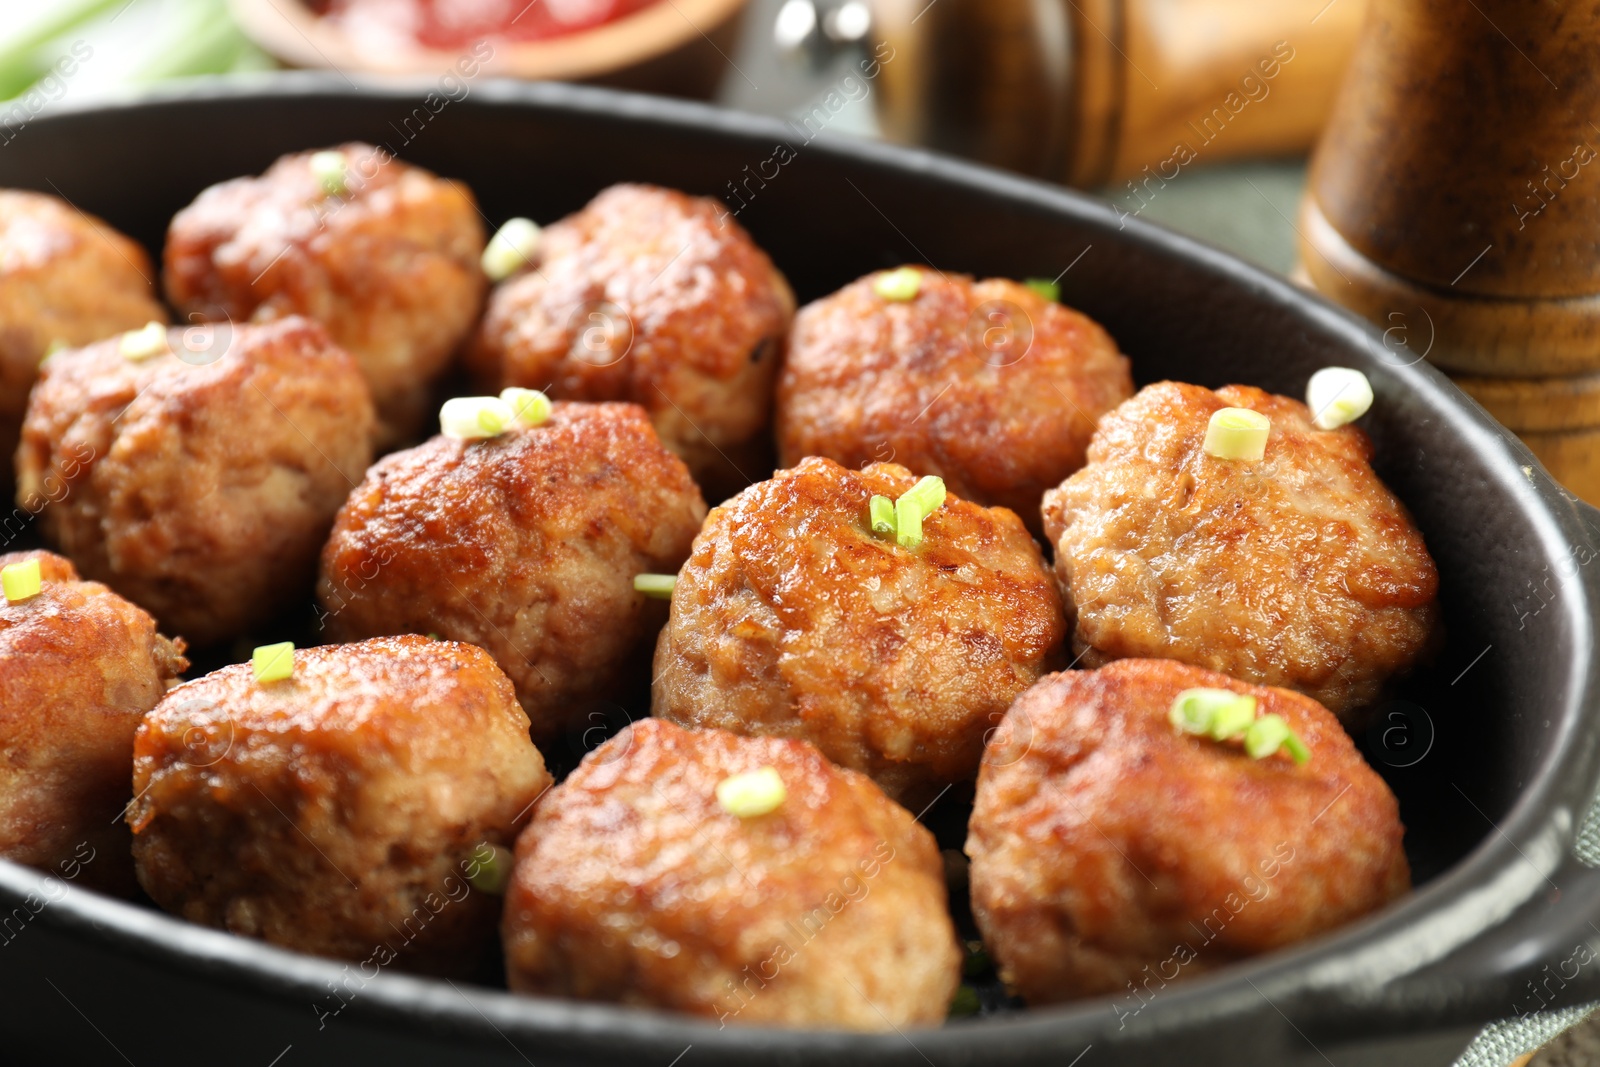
(460, 23)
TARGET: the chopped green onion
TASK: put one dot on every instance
(21, 581)
(1233, 718)
(329, 169)
(58, 345)
(965, 1002)
(928, 494)
(659, 586)
(529, 407)
(494, 866)
(1237, 433)
(881, 512)
(512, 247)
(273, 663)
(1265, 736)
(1045, 288)
(139, 345)
(1297, 749)
(907, 522)
(751, 794)
(1195, 710)
(898, 285)
(1336, 396)
(473, 418)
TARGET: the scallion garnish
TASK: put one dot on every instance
(1045, 288)
(474, 418)
(752, 793)
(512, 248)
(965, 1002)
(658, 586)
(1224, 715)
(273, 663)
(493, 866)
(1237, 433)
(21, 581)
(898, 285)
(1336, 396)
(529, 407)
(903, 518)
(329, 169)
(139, 345)
(881, 513)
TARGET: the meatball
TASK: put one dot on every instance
(339, 811)
(64, 277)
(792, 619)
(656, 297)
(199, 484)
(1113, 852)
(1300, 570)
(634, 884)
(985, 383)
(388, 261)
(526, 544)
(79, 667)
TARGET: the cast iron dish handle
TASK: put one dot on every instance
(1542, 956)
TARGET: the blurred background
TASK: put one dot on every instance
(1196, 114)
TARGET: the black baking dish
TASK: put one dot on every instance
(1494, 766)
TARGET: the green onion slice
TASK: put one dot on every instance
(1297, 749)
(474, 418)
(529, 407)
(512, 248)
(658, 586)
(493, 866)
(881, 512)
(139, 345)
(751, 794)
(1265, 736)
(329, 169)
(907, 522)
(1237, 433)
(1195, 710)
(1045, 288)
(1336, 396)
(273, 663)
(898, 285)
(21, 581)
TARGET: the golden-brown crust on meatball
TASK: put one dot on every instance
(984, 383)
(634, 885)
(64, 276)
(1302, 570)
(1109, 846)
(391, 269)
(526, 544)
(201, 491)
(79, 667)
(691, 318)
(792, 619)
(337, 812)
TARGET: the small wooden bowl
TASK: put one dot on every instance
(679, 47)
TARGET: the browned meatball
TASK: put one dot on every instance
(64, 276)
(526, 544)
(1113, 852)
(792, 619)
(199, 484)
(1300, 570)
(635, 885)
(339, 811)
(656, 297)
(987, 384)
(79, 667)
(389, 266)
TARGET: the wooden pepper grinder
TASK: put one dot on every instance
(1091, 91)
(1455, 198)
